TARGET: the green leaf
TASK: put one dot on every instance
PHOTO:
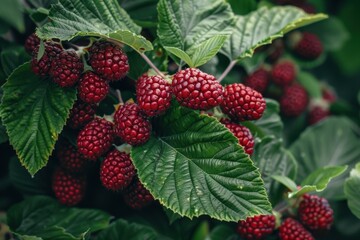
(34, 111)
(310, 83)
(180, 54)
(196, 167)
(287, 182)
(332, 142)
(263, 26)
(12, 13)
(188, 24)
(122, 229)
(105, 19)
(273, 159)
(12, 57)
(351, 189)
(318, 180)
(137, 8)
(242, 7)
(42, 217)
(223, 232)
(3, 135)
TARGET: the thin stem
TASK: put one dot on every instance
(118, 95)
(227, 70)
(180, 65)
(152, 65)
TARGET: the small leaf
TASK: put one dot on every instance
(41, 51)
(34, 111)
(196, 167)
(287, 182)
(310, 83)
(318, 180)
(351, 189)
(105, 19)
(262, 27)
(42, 217)
(180, 54)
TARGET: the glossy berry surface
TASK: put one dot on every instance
(136, 195)
(31, 42)
(293, 101)
(291, 229)
(70, 159)
(92, 88)
(258, 80)
(283, 73)
(244, 136)
(257, 227)
(81, 114)
(42, 66)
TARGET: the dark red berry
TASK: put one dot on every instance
(196, 89)
(131, 125)
(96, 138)
(153, 95)
(136, 195)
(42, 67)
(258, 80)
(242, 103)
(70, 159)
(306, 45)
(244, 136)
(31, 42)
(283, 73)
(291, 229)
(319, 109)
(117, 170)
(80, 114)
(294, 100)
(108, 60)
(257, 227)
(92, 88)
(69, 189)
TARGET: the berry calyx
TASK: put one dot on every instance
(96, 138)
(117, 170)
(258, 80)
(315, 212)
(153, 95)
(294, 100)
(196, 89)
(108, 60)
(42, 66)
(242, 103)
(80, 114)
(70, 159)
(291, 229)
(92, 88)
(306, 45)
(69, 189)
(31, 42)
(257, 227)
(136, 195)
(131, 125)
(283, 73)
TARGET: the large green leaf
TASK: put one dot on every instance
(262, 27)
(332, 142)
(12, 13)
(41, 217)
(34, 111)
(12, 57)
(106, 19)
(351, 189)
(186, 25)
(196, 167)
(273, 159)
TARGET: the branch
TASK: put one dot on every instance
(227, 70)
(152, 65)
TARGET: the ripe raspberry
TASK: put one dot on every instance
(92, 88)
(131, 125)
(328, 94)
(31, 42)
(66, 68)
(117, 170)
(318, 110)
(153, 95)
(258, 80)
(196, 89)
(283, 73)
(306, 45)
(242, 103)
(80, 114)
(243, 134)
(70, 159)
(108, 60)
(42, 66)
(291, 229)
(69, 189)
(257, 227)
(315, 212)
(95, 138)
(294, 100)
(136, 195)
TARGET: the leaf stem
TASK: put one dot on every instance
(227, 70)
(148, 61)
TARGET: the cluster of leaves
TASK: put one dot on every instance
(195, 167)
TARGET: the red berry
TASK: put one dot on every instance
(108, 60)
(283, 73)
(242, 103)
(117, 170)
(131, 125)
(328, 94)
(315, 212)
(196, 89)
(66, 68)
(318, 110)
(95, 138)
(153, 95)
(294, 100)
(291, 229)
(70, 159)
(258, 80)
(243, 134)
(257, 227)
(31, 42)
(92, 88)
(42, 67)
(136, 195)
(306, 45)
(80, 114)
(69, 189)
